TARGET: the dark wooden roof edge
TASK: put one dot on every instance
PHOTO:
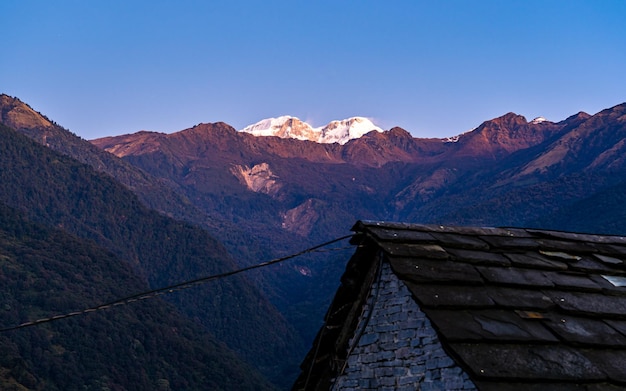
(330, 347)
(368, 225)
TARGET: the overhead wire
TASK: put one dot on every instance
(177, 287)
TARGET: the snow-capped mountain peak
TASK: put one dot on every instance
(538, 120)
(347, 129)
(284, 126)
(291, 127)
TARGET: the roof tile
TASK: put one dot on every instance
(420, 270)
(535, 260)
(514, 276)
(609, 260)
(505, 242)
(619, 325)
(415, 250)
(478, 257)
(613, 250)
(527, 361)
(589, 264)
(612, 362)
(523, 299)
(607, 287)
(579, 237)
(450, 296)
(402, 235)
(589, 303)
(567, 246)
(488, 325)
(586, 331)
(574, 281)
(460, 241)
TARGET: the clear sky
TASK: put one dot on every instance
(435, 68)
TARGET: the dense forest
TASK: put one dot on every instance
(145, 345)
(58, 191)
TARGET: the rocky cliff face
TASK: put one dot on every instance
(258, 178)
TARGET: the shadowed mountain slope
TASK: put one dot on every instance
(145, 345)
(58, 191)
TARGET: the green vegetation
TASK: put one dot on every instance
(146, 345)
(606, 207)
(58, 191)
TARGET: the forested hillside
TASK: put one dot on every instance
(146, 345)
(58, 191)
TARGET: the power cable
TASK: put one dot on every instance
(176, 287)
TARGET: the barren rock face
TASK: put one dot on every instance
(259, 178)
(18, 115)
(301, 219)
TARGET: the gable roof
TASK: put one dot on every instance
(517, 309)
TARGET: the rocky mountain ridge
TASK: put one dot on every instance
(492, 139)
(286, 170)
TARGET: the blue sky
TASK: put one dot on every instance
(435, 68)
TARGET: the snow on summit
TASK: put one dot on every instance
(291, 127)
(347, 129)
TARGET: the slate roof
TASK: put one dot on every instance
(518, 309)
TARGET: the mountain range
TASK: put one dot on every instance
(240, 197)
(309, 188)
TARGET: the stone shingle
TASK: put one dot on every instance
(519, 298)
(479, 257)
(529, 362)
(589, 304)
(586, 331)
(451, 296)
(460, 241)
(488, 325)
(535, 260)
(433, 251)
(515, 276)
(573, 281)
(424, 270)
